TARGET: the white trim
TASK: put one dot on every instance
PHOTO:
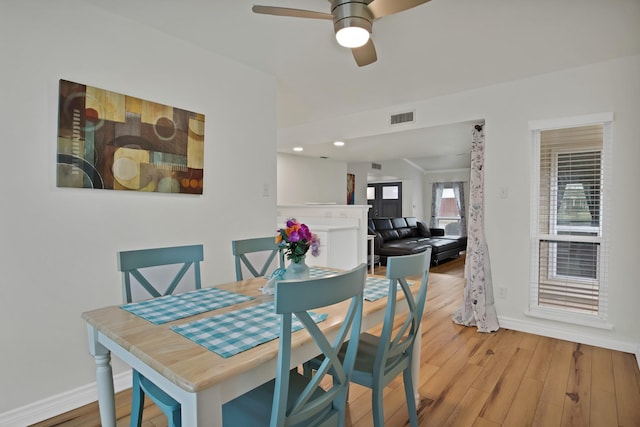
(638, 355)
(415, 166)
(559, 332)
(566, 122)
(60, 403)
(573, 318)
(438, 171)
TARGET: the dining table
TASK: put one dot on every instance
(172, 353)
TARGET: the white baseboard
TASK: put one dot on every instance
(59, 404)
(563, 334)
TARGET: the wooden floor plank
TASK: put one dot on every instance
(548, 414)
(603, 390)
(541, 359)
(627, 389)
(602, 370)
(447, 389)
(497, 360)
(466, 412)
(504, 391)
(577, 401)
(555, 385)
(603, 411)
(525, 403)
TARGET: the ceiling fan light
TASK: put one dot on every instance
(352, 37)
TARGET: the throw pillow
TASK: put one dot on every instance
(423, 229)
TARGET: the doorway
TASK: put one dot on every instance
(385, 199)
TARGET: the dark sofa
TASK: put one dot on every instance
(407, 235)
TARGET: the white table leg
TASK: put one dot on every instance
(104, 379)
(372, 255)
(415, 364)
(203, 408)
(106, 398)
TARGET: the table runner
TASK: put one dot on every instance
(374, 287)
(236, 331)
(173, 307)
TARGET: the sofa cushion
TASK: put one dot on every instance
(441, 245)
(402, 247)
(423, 230)
(385, 229)
(388, 235)
(462, 240)
(411, 221)
(398, 223)
(382, 224)
(405, 233)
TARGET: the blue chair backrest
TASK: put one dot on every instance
(268, 245)
(132, 262)
(397, 342)
(297, 297)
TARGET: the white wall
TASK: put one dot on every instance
(411, 178)
(58, 245)
(412, 183)
(507, 108)
(305, 179)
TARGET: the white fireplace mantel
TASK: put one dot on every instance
(342, 227)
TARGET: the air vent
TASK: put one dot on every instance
(377, 166)
(401, 118)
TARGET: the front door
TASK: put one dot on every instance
(385, 199)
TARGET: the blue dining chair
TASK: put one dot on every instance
(292, 399)
(382, 358)
(241, 248)
(137, 267)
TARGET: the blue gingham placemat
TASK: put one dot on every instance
(374, 287)
(173, 307)
(236, 331)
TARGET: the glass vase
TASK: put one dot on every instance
(297, 270)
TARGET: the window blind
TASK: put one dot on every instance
(569, 230)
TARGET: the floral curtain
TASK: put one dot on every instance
(436, 202)
(478, 307)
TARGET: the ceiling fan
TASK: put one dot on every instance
(352, 21)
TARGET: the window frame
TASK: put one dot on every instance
(438, 218)
(599, 319)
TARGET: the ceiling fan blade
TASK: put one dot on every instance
(365, 55)
(296, 13)
(380, 8)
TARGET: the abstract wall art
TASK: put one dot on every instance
(107, 140)
(351, 189)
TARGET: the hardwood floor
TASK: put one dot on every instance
(507, 378)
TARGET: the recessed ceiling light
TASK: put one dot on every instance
(298, 149)
(338, 143)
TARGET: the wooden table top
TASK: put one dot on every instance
(189, 365)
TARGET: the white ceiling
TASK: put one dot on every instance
(438, 48)
(448, 147)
